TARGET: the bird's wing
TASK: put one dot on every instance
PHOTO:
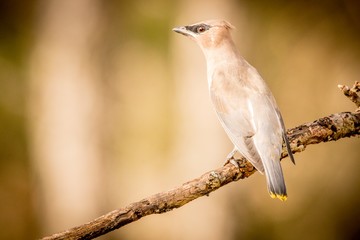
(247, 113)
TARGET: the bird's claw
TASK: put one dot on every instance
(234, 162)
(231, 159)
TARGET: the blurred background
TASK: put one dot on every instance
(101, 104)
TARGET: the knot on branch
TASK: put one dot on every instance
(352, 93)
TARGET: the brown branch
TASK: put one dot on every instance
(330, 128)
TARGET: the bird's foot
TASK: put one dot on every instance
(234, 162)
(231, 159)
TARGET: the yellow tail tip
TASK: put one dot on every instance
(282, 197)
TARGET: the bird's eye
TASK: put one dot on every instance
(200, 29)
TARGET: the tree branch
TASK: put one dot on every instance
(329, 128)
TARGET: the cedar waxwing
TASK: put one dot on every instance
(243, 102)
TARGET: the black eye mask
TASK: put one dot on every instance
(195, 28)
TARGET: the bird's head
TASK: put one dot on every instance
(207, 34)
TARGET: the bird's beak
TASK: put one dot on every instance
(182, 30)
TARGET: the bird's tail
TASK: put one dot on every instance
(275, 180)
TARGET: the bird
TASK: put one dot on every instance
(244, 104)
